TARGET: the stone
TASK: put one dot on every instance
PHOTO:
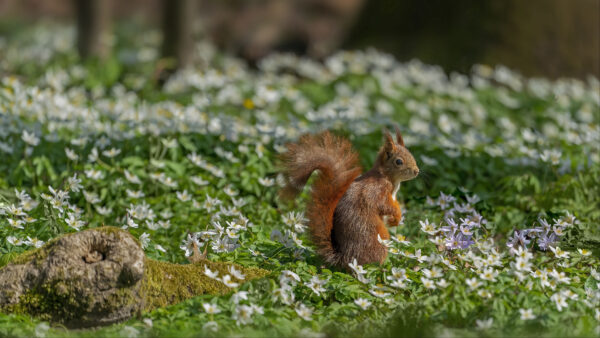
(101, 276)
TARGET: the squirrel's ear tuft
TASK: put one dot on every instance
(398, 135)
(388, 143)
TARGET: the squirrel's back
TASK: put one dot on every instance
(356, 220)
(337, 166)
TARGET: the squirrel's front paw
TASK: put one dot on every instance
(393, 221)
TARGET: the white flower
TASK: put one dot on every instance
(419, 257)
(34, 242)
(522, 253)
(484, 324)
(211, 308)
(199, 181)
(363, 279)
(93, 156)
(238, 296)
(442, 283)
(560, 300)
(356, 267)
(166, 214)
(14, 240)
(489, 274)
(113, 152)
(229, 191)
(379, 292)
(230, 232)
(169, 143)
(595, 274)
(527, 314)
(211, 274)
(74, 183)
(168, 181)
(129, 331)
(398, 274)
(584, 252)
(559, 253)
(243, 314)
(362, 303)
(428, 227)
(227, 281)
(131, 177)
(15, 211)
(400, 239)
(316, 284)
(104, 211)
(183, 196)
(290, 276)
(73, 222)
(30, 139)
(428, 283)
(447, 262)
(433, 273)
(41, 330)
(304, 312)
(266, 182)
(473, 283)
(236, 273)
(71, 154)
(398, 284)
(131, 223)
(91, 197)
(94, 174)
(134, 194)
(522, 264)
(385, 242)
(144, 240)
(210, 326)
(552, 156)
(560, 277)
(15, 223)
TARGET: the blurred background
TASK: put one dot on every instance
(551, 38)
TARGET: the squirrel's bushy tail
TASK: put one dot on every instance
(337, 166)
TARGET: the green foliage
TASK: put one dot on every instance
(198, 157)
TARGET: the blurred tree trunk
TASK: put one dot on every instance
(92, 26)
(177, 23)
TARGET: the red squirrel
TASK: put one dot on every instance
(346, 211)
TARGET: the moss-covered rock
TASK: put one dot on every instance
(101, 276)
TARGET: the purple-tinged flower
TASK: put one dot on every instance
(518, 238)
(544, 224)
(465, 242)
(451, 227)
(466, 230)
(452, 242)
(546, 241)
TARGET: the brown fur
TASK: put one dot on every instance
(346, 212)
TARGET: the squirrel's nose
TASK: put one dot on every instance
(416, 171)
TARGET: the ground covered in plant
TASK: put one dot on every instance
(500, 233)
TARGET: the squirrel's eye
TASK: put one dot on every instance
(398, 161)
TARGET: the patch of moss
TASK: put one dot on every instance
(167, 283)
(34, 255)
(51, 301)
